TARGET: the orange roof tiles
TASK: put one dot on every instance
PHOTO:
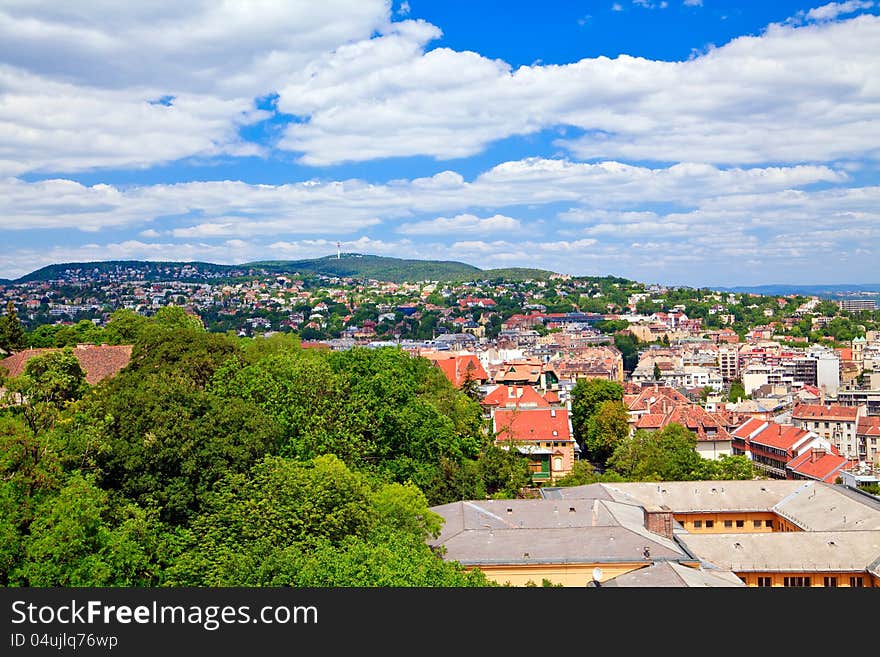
(830, 412)
(748, 427)
(780, 436)
(868, 425)
(506, 396)
(543, 424)
(460, 367)
(819, 464)
(97, 361)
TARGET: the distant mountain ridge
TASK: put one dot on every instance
(354, 265)
(827, 291)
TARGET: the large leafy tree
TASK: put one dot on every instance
(606, 429)
(312, 523)
(30, 473)
(50, 382)
(586, 397)
(300, 392)
(668, 454)
(726, 468)
(167, 441)
(78, 539)
(125, 326)
(12, 334)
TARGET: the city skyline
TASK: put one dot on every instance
(704, 143)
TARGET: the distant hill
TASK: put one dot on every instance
(517, 273)
(353, 265)
(148, 269)
(827, 291)
(357, 265)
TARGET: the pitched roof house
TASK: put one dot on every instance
(819, 463)
(460, 368)
(771, 446)
(544, 435)
(832, 421)
(654, 407)
(868, 436)
(514, 396)
(97, 361)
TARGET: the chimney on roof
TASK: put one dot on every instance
(552, 412)
(816, 453)
(658, 519)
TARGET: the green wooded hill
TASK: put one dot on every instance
(398, 270)
(353, 265)
(517, 274)
(357, 265)
(148, 269)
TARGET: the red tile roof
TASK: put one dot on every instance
(507, 396)
(517, 372)
(818, 464)
(458, 368)
(647, 397)
(97, 361)
(532, 424)
(868, 425)
(780, 436)
(748, 427)
(707, 426)
(830, 412)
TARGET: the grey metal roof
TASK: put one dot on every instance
(848, 551)
(549, 531)
(555, 545)
(823, 507)
(672, 574)
(812, 505)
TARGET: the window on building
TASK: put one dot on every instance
(710, 524)
(728, 523)
(827, 425)
(856, 581)
(796, 581)
(768, 523)
(698, 524)
(756, 524)
(765, 581)
(831, 581)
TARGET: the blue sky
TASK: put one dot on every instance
(688, 142)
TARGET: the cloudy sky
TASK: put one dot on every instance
(694, 142)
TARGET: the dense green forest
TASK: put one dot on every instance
(216, 460)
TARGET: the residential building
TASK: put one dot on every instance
(771, 446)
(857, 305)
(868, 439)
(97, 361)
(543, 435)
(833, 422)
(763, 533)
